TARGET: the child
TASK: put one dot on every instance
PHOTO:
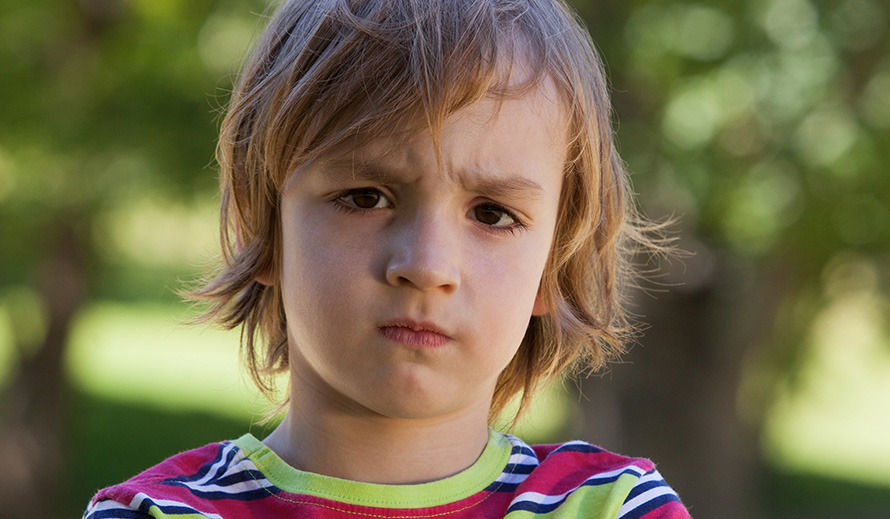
(423, 217)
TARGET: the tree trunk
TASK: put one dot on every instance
(675, 398)
(33, 414)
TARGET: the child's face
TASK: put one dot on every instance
(408, 289)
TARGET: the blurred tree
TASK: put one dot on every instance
(105, 103)
(766, 127)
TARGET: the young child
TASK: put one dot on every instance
(423, 217)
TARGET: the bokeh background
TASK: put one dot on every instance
(761, 384)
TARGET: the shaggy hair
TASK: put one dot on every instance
(329, 73)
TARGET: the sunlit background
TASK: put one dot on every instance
(761, 384)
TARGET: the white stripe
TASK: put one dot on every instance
(518, 459)
(644, 498)
(511, 478)
(237, 488)
(573, 442)
(523, 447)
(522, 458)
(223, 461)
(140, 497)
(523, 462)
(240, 463)
(652, 476)
(538, 498)
(107, 504)
(544, 499)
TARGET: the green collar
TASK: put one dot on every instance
(462, 485)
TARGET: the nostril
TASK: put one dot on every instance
(422, 274)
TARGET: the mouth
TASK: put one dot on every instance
(416, 334)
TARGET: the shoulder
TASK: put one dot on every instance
(583, 480)
(202, 482)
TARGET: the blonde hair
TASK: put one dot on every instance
(332, 72)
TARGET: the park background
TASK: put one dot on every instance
(761, 384)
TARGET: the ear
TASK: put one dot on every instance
(541, 306)
(266, 277)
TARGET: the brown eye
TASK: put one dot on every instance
(365, 199)
(495, 216)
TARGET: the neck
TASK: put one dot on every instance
(372, 448)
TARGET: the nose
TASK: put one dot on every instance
(425, 254)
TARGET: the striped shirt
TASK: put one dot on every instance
(244, 478)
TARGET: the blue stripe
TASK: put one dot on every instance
(240, 477)
(222, 478)
(522, 468)
(205, 469)
(578, 447)
(248, 495)
(120, 513)
(225, 466)
(643, 487)
(148, 503)
(539, 508)
(228, 480)
(501, 487)
(509, 470)
(523, 449)
(519, 468)
(177, 510)
(649, 506)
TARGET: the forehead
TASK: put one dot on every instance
(518, 130)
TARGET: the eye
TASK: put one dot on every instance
(494, 215)
(364, 199)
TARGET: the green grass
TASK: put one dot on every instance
(807, 495)
(110, 441)
(144, 353)
(836, 421)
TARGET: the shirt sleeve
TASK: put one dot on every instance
(652, 498)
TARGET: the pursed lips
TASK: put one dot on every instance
(418, 334)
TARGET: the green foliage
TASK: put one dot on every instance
(765, 127)
(106, 103)
(764, 124)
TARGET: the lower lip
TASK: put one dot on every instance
(417, 339)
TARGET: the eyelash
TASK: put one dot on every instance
(517, 225)
(341, 197)
(512, 228)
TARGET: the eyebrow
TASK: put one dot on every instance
(354, 169)
(495, 186)
(504, 186)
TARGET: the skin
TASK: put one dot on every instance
(408, 286)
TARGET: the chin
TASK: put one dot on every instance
(414, 407)
(402, 410)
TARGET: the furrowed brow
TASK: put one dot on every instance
(483, 183)
(350, 169)
(510, 186)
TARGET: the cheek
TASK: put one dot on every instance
(506, 290)
(321, 261)
(311, 278)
